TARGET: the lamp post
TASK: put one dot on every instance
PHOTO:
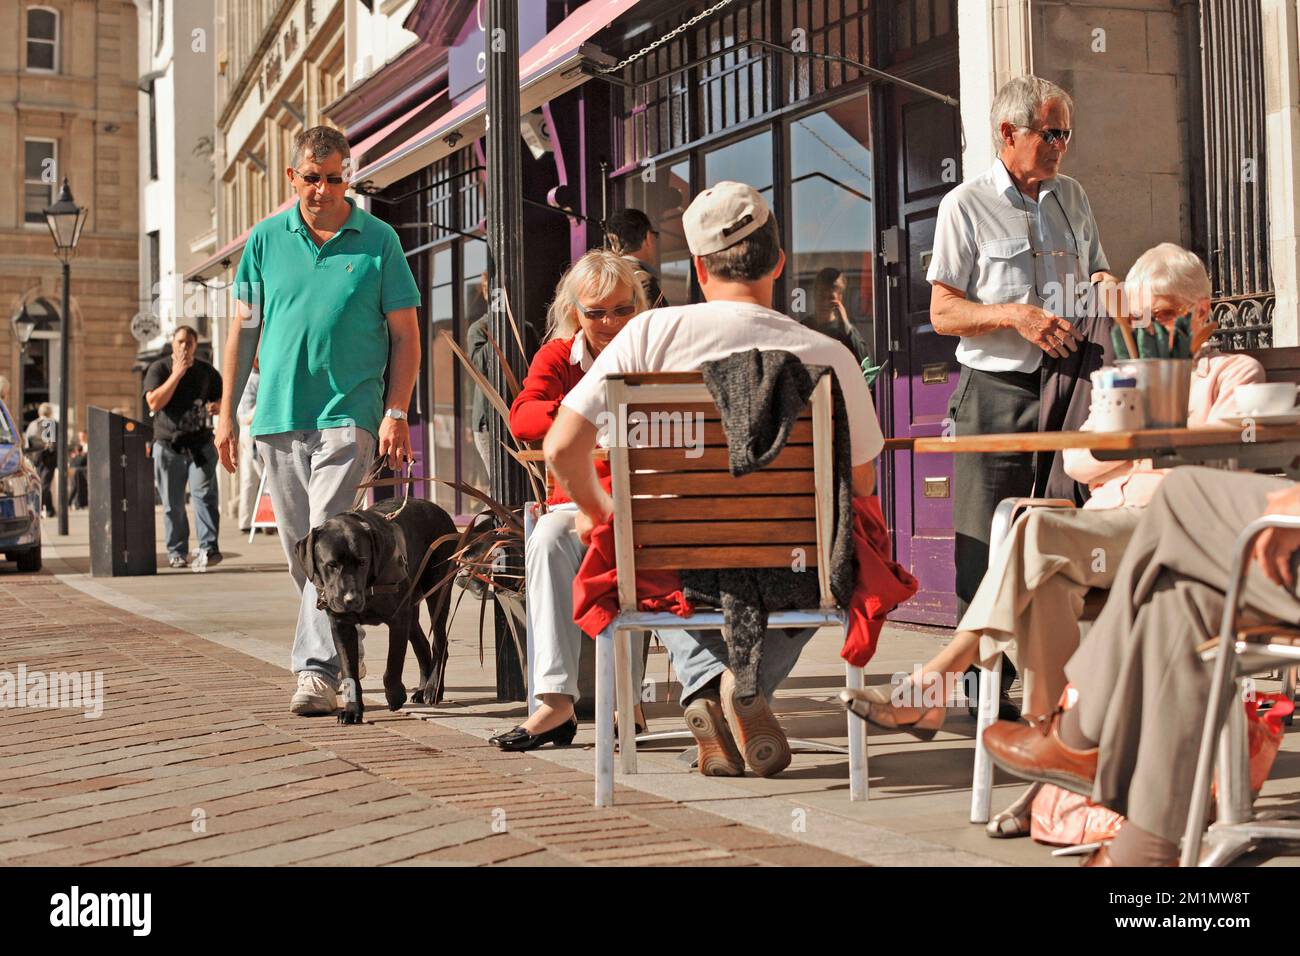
(65, 219)
(24, 326)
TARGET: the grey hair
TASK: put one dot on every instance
(1167, 269)
(321, 142)
(598, 273)
(1020, 99)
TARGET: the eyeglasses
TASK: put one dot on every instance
(1050, 136)
(312, 179)
(1038, 254)
(597, 315)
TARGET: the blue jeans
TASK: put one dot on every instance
(700, 656)
(172, 470)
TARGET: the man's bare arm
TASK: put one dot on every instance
(162, 395)
(403, 366)
(404, 355)
(568, 446)
(951, 313)
(226, 440)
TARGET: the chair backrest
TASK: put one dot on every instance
(676, 504)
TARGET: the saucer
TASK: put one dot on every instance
(1273, 418)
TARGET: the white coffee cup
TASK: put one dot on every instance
(1266, 398)
(1117, 410)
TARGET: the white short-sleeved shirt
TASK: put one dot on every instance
(682, 338)
(982, 247)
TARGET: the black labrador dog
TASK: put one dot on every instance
(362, 563)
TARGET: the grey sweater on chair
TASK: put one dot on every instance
(760, 395)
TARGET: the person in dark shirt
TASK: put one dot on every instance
(830, 317)
(182, 392)
(632, 236)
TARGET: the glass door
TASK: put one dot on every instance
(829, 235)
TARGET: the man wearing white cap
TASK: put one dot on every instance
(736, 249)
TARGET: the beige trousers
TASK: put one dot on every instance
(1142, 685)
(1030, 599)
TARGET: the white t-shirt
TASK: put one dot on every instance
(682, 338)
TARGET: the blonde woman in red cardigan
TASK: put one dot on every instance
(594, 300)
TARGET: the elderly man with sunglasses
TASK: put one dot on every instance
(1016, 262)
(327, 287)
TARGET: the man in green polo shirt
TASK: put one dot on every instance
(327, 286)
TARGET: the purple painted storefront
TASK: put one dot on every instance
(854, 171)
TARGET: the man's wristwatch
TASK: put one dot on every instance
(396, 413)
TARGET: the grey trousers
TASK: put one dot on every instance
(1142, 686)
(988, 403)
(312, 476)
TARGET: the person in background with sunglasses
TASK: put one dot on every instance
(328, 288)
(1016, 258)
(596, 297)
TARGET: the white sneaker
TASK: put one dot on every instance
(315, 695)
(199, 561)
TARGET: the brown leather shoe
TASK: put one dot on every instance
(1036, 752)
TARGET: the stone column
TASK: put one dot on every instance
(994, 45)
(1282, 137)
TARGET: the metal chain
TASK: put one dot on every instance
(667, 36)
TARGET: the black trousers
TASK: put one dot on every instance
(46, 463)
(987, 403)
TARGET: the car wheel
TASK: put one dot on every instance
(29, 560)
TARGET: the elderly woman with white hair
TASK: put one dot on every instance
(1032, 595)
(596, 297)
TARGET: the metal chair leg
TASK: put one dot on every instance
(530, 522)
(981, 796)
(605, 693)
(858, 778)
(1220, 686)
(626, 700)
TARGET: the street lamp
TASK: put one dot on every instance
(24, 326)
(65, 219)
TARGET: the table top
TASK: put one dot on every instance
(1146, 440)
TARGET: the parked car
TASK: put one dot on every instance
(20, 499)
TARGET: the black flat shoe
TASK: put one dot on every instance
(561, 736)
(513, 734)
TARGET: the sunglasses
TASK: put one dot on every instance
(312, 179)
(1050, 136)
(596, 315)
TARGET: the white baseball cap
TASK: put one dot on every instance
(721, 216)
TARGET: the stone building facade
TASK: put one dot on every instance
(68, 108)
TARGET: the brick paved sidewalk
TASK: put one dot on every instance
(196, 760)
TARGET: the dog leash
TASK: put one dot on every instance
(406, 499)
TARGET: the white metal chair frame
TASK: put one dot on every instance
(1236, 828)
(990, 694)
(613, 645)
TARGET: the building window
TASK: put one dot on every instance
(155, 271)
(42, 40)
(153, 130)
(40, 174)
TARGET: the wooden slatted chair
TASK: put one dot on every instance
(674, 511)
(1252, 649)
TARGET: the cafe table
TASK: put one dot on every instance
(1247, 446)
